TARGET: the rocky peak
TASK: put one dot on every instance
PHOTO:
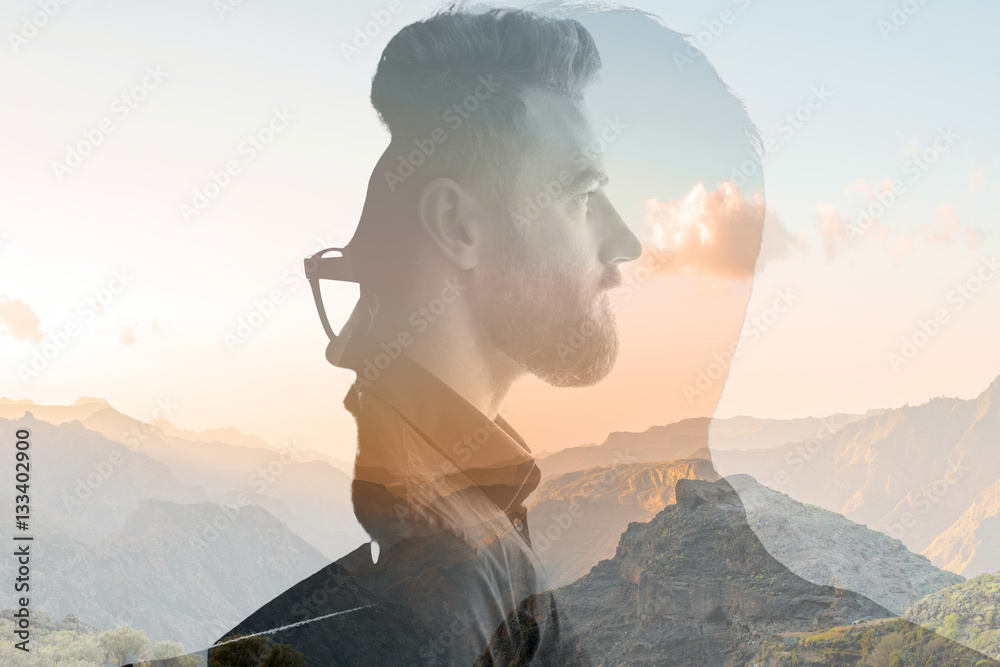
(693, 492)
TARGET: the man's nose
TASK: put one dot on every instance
(618, 244)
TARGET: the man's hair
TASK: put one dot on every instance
(432, 65)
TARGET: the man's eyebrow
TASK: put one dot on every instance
(587, 176)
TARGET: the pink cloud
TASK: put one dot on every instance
(839, 231)
(945, 228)
(868, 190)
(717, 233)
(126, 335)
(19, 320)
(832, 228)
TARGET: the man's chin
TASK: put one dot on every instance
(585, 357)
(579, 377)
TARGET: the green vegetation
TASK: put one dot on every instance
(967, 613)
(71, 643)
(53, 645)
(888, 643)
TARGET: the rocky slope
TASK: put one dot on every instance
(911, 472)
(577, 518)
(695, 585)
(831, 550)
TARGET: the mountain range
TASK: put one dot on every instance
(926, 475)
(89, 444)
(123, 504)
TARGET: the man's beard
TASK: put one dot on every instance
(546, 320)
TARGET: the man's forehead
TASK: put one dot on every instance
(562, 131)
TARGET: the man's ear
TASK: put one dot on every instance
(449, 217)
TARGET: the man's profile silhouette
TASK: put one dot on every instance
(461, 294)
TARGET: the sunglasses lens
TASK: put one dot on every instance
(337, 301)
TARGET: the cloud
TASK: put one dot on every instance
(946, 226)
(948, 229)
(868, 191)
(778, 242)
(841, 231)
(126, 335)
(717, 233)
(832, 229)
(19, 320)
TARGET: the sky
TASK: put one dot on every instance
(164, 169)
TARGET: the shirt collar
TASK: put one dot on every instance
(489, 452)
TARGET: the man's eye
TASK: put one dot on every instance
(584, 197)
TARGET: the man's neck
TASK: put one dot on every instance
(481, 376)
(458, 353)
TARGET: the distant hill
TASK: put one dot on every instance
(310, 494)
(170, 570)
(686, 439)
(753, 433)
(690, 438)
(968, 612)
(911, 472)
(54, 414)
(829, 549)
(120, 519)
(84, 485)
(972, 543)
(234, 436)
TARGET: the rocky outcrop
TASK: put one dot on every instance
(696, 585)
(577, 519)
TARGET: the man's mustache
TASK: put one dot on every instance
(611, 279)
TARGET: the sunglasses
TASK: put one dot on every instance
(338, 268)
